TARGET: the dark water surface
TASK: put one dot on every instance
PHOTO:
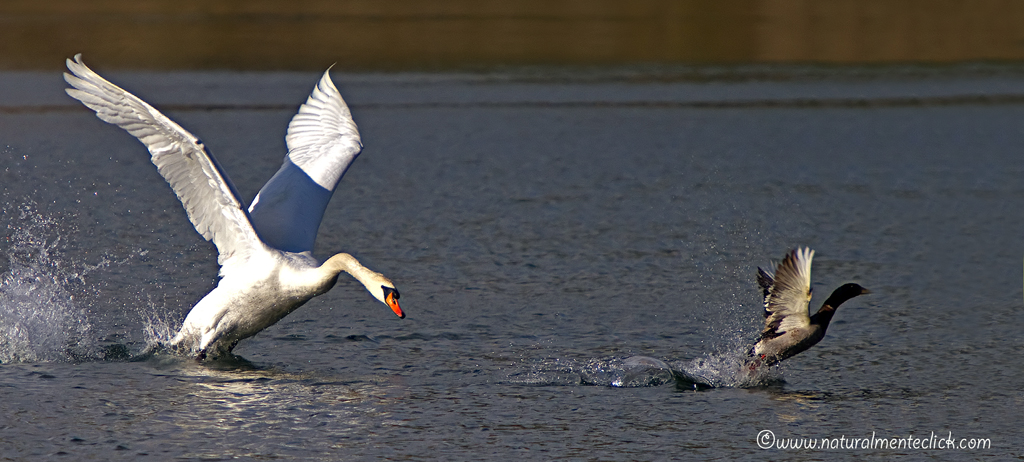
(541, 231)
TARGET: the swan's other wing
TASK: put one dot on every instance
(322, 142)
(204, 190)
(788, 297)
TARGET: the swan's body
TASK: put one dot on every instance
(267, 266)
(788, 328)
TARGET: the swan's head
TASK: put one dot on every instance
(379, 286)
(388, 295)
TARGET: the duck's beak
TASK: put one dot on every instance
(393, 303)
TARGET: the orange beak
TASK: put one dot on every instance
(393, 303)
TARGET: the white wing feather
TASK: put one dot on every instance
(322, 138)
(209, 199)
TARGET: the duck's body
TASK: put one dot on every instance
(772, 350)
(788, 328)
(265, 252)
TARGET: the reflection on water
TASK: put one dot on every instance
(177, 407)
(410, 34)
(269, 403)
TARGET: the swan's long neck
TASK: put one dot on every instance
(344, 262)
(379, 286)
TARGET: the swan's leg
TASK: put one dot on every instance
(207, 339)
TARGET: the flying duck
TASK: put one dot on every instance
(788, 330)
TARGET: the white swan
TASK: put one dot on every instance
(265, 254)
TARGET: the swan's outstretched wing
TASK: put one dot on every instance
(322, 142)
(204, 190)
(789, 293)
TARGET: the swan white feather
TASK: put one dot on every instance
(322, 139)
(267, 267)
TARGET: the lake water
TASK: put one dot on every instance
(542, 227)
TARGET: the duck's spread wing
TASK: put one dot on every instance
(765, 279)
(204, 190)
(789, 294)
(322, 142)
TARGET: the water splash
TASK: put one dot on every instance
(158, 329)
(39, 318)
(728, 369)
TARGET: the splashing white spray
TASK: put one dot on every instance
(39, 320)
(730, 369)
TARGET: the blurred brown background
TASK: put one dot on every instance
(475, 34)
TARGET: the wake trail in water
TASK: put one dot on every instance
(713, 370)
(728, 367)
(614, 372)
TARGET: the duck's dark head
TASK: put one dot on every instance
(844, 293)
